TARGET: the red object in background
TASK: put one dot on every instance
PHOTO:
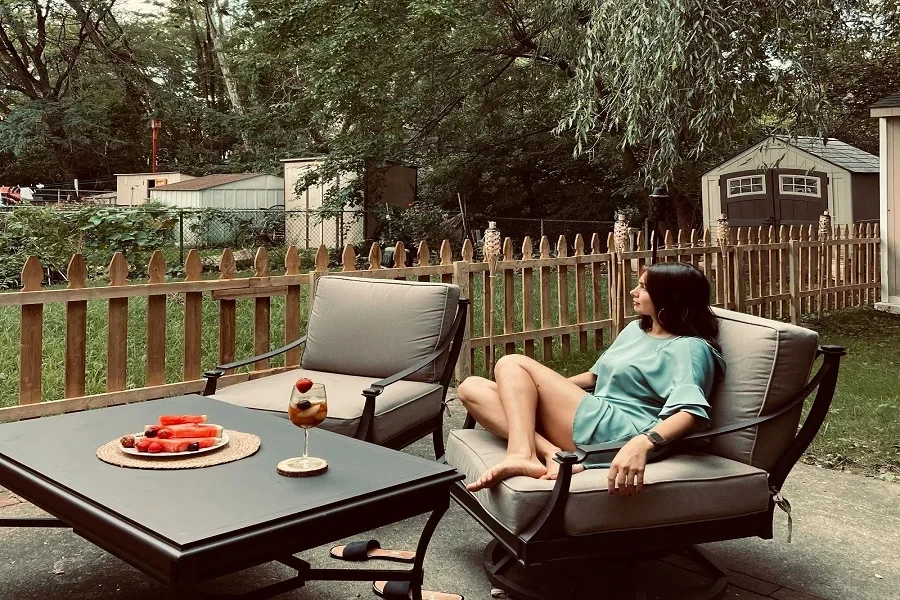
(10, 195)
(155, 126)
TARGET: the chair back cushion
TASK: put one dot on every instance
(767, 363)
(378, 327)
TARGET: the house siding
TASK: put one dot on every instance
(890, 214)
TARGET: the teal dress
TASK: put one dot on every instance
(641, 380)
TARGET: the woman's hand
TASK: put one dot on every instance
(626, 472)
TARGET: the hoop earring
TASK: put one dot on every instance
(659, 317)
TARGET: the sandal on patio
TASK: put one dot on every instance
(358, 551)
(399, 590)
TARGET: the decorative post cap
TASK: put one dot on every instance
(621, 216)
(492, 224)
(723, 217)
(659, 192)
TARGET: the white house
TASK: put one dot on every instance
(791, 181)
(887, 111)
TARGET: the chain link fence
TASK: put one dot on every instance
(219, 228)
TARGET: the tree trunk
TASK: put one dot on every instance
(216, 30)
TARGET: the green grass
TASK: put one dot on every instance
(862, 432)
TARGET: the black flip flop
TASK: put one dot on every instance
(399, 590)
(370, 549)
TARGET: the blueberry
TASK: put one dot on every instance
(150, 433)
(304, 404)
(193, 446)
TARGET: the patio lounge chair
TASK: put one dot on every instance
(385, 351)
(720, 484)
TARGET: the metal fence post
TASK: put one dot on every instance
(181, 235)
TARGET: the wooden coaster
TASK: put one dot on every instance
(312, 466)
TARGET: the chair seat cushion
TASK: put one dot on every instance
(679, 489)
(401, 406)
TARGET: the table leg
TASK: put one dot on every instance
(417, 574)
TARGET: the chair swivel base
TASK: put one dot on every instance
(572, 580)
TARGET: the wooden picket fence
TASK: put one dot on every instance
(541, 304)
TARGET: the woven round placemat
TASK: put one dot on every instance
(240, 445)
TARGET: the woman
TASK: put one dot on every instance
(650, 387)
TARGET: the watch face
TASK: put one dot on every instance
(656, 438)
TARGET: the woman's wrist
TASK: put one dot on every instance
(643, 442)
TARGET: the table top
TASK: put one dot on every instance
(185, 507)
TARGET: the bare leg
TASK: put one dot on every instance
(482, 400)
(530, 393)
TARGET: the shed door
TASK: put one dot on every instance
(747, 198)
(800, 196)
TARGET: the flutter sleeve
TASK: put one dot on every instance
(692, 372)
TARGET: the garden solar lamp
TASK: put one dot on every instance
(491, 252)
(723, 237)
(824, 236)
(657, 205)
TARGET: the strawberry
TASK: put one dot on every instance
(164, 433)
(127, 441)
(143, 445)
(303, 385)
(155, 447)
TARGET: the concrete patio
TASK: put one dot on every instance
(846, 546)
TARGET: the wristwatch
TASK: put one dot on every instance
(659, 442)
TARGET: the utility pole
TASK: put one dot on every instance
(155, 126)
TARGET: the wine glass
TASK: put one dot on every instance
(307, 409)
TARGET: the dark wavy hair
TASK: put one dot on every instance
(680, 293)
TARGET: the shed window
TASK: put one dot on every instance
(799, 184)
(739, 186)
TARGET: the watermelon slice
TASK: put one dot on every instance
(165, 420)
(181, 444)
(188, 430)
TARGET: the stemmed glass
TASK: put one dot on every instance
(307, 409)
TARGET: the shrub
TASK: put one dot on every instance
(54, 235)
(217, 227)
(419, 221)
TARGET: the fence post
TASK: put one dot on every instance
(464, 362)
(794, 280)
(181, 236)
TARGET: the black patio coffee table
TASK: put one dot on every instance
(185, 527)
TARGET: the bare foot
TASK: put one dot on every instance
(553, 468)
(509, 467)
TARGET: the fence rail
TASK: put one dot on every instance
(537, 301)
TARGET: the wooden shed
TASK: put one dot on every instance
(887, 111)
(791, 181)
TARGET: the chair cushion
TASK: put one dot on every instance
(768, 362)
(375, 327)
(679, 489)
(401, 406)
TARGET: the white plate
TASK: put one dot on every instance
(223, 441)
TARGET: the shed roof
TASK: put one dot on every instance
(837, 153)
(892, 101)
(209, 181)
(148, 173)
